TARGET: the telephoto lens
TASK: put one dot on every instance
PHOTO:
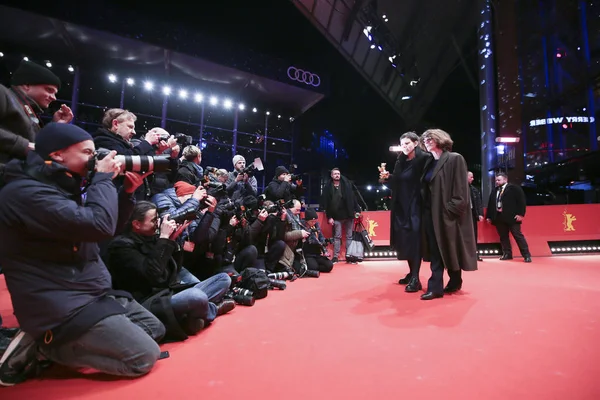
(281, 275)
(138, 163)
(277, 284)
(310, 273)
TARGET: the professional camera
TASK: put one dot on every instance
(185, 214)
(216, 189)
(241, 296)
(311, 273)
(277, 284)
(134, 163)
(182, 139)
(251, 169)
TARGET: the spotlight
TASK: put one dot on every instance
(279, 117)
(1, 54)
(112, 78)
(213, 101)
(198, 98)
(372, 46)
(167, 90)
(130, 81)
(227, 104)
(71, 69)
(183, 94)
(268, 113)
(242, 107)
(148, 85)
(48, 64)
(254, 109)
(25, 58)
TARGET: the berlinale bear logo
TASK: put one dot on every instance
(568, 221)
(372, 225)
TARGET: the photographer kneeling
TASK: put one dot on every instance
(315, 246)
(142, 263)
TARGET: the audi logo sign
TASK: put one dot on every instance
(302, 76)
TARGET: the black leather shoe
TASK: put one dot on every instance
(451, 288)
(527, 259)
(431, 296)
(413, 286)
(225, 306)
(405, 280)
(506, 257)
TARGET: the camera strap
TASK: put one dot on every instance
(188, 245)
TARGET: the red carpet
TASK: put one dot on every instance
(516, 331)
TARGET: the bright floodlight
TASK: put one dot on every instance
(167, 90)
(48, 64)
(25, 58)
(227, 104)
(213, 101)
(148, 85)
(279, 116)
(242, 107)
(112, 78)
(198, 98)
(130, 81)
(183, 94)
(1, 54)
(71, 69)
(254, 109)
(369, 187)
(268, 113)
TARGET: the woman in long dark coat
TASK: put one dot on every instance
(447, 219)
(405, 183)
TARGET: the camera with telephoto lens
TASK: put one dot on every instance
(311, 273)
(184, 214)
(134, 163)
(182, 139)
(284, 276)
(277, 284)
(241, 296)
(216, 190)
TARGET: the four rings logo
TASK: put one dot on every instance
(303, 76)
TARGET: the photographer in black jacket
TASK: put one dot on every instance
(62, 292)
(143, 263)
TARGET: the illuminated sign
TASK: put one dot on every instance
(562, 120)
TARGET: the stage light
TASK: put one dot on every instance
(268, 113)
(148, 85)
(254, 109)
(198, 97)
(1, 54)
(406, 97)
(130, 81)
(112, 78)
(71, 69)
(25, 58)
(379, 48)
(242, 107)
(48, 64)
(213, 101)
(372, 46)
(383, 187)
(279, 117)
(167, 90)
(183, 94)
(227, 104)
(369, 187)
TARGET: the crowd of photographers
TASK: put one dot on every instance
(113, 244)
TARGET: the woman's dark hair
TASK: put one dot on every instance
(139, 212)
(410, 135)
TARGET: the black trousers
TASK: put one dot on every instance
(268, 261)
(436, 282)
(475, 225)
(503, 230)
(319, 263)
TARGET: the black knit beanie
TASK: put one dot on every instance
(29, 73)
(55, 136)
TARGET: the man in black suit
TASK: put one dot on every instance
(506, 210)
(476, 206)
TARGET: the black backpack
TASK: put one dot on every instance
(255, 280)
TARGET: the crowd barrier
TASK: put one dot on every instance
(542, 224)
